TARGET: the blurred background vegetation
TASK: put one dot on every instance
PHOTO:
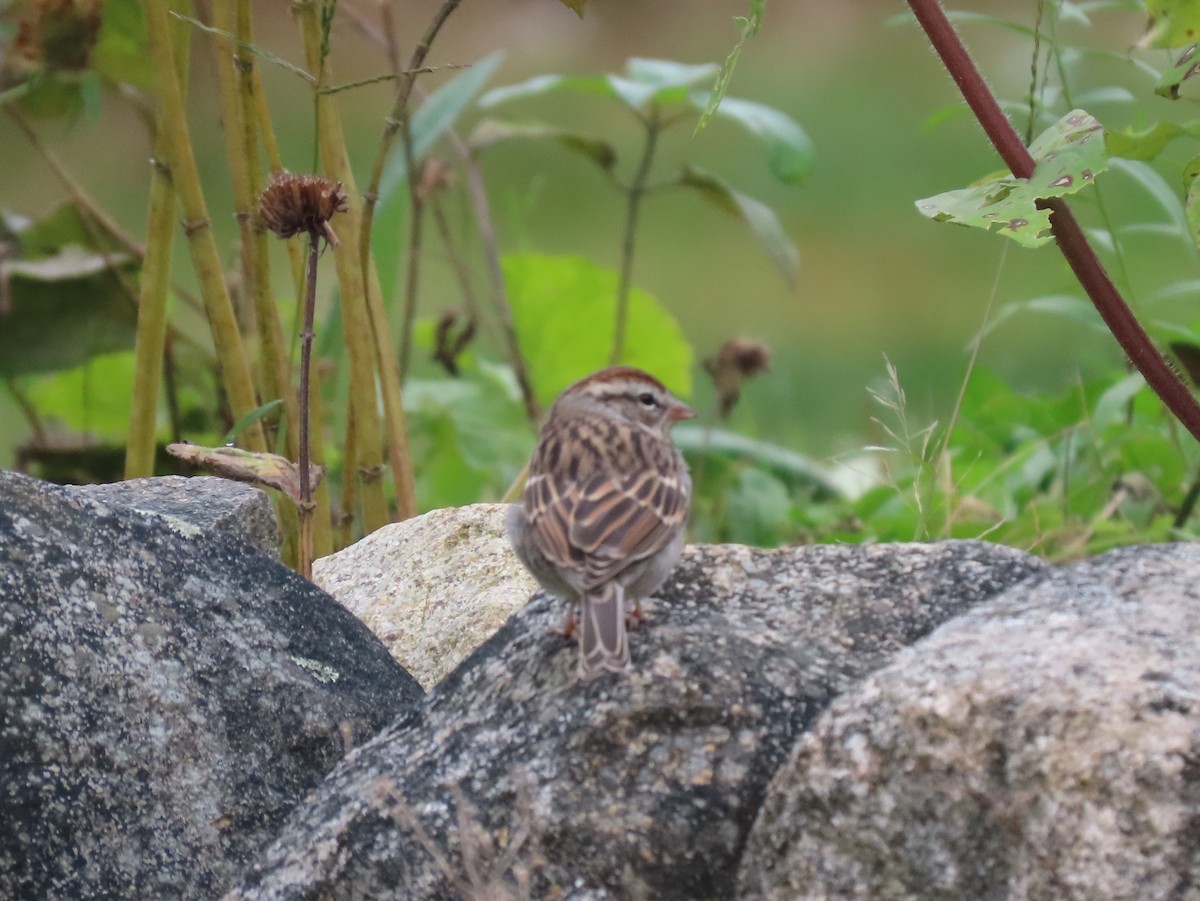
(884, 300)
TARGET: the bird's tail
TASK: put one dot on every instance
(603, 641)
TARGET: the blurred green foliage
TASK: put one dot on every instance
(1063, 471)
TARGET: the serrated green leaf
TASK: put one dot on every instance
(493, 131)
(564, 309)
(1147, 143)
(1068, 155)
(761, 218)
(790, 152)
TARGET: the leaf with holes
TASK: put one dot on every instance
(1170, 82)
(1173, 23)
(1068, 156)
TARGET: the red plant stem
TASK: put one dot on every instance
(1071, 241)
(306, 506)
(306, 341)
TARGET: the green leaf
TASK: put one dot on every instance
(1173, 23)
(1191, 188)
(122, 52)
(543, 84)
(92, 398)
(469, 435)
(758, 508)
(784, 463)
(63, 309)
(789, 150)
(493, 131)
(564, 309)
(434, 118)
(760, 217)
(50, 95)
(250, 417)
(658, 81)
(62, 227)
(646, 81)
(1068, 306)
(1068, 155)
(430, 122)
(1113, 403)
(1148, 143)
(1170, 81)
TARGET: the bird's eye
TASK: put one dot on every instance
(646, 399)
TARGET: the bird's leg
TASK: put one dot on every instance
(635, 617)
(570, 626)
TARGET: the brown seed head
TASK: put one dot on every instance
(291, 204)
(737, 360)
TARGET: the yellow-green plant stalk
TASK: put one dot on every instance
(152, 321)
(235, 367)
(241, 152)
(344, 526)
(153, 293)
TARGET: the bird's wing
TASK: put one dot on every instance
(605, 518)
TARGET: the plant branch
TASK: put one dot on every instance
(636, 191)
(398, 118)
(305, 507)
(487, 235)
(1067, 232)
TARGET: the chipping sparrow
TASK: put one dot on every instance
(605, 504)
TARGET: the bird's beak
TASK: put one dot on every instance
(680, 410)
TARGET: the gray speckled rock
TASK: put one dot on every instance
(164, 700)
(212, 505)
(1045, 745)
(434, 587)
(521, 781)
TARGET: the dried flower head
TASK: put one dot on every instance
(737, 360)
(291, 204)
